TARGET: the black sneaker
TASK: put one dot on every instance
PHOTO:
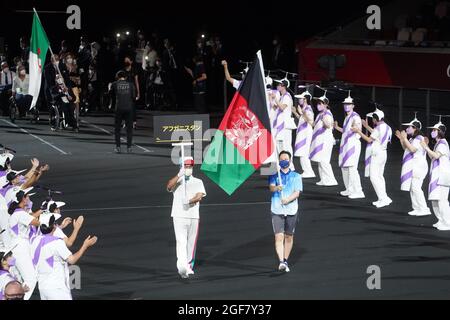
(117, 150)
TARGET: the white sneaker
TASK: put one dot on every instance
(383, 203)
(287, 268)
(320, 183)
(425, 213)
(330, 184)
(189, 271)
(308, 175)
(183, 272)
(282, 266)
(344, 193)
(443, 227)
(376, 203)
(413, 213)
(359, 195)
(437, 224)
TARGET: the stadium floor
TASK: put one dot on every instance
(125, 204)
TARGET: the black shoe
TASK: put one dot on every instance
(117, 150)
(129, 150)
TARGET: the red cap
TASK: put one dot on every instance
(189, 162)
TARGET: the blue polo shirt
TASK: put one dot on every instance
(292, 181)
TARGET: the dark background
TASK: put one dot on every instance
(244, 26)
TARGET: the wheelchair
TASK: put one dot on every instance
(14, 111)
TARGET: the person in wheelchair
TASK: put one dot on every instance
(6, 80)
(20, 91)
(60, 96)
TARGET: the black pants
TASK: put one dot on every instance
(126, 115)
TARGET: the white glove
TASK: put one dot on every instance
(181, 172)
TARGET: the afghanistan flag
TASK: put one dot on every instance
(38, 51)
(244, 140)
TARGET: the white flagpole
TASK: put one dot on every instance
(182, 145)
(258, 54)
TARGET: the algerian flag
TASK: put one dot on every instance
(38, 51)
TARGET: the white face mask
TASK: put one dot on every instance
(6, 70)
(188, 172)
(23, 72)
(69, 60)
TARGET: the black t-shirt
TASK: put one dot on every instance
(123, 94)
(200, 86)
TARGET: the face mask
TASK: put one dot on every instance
(23, 72)
(12, 262)
(127, 63)
(434, 134)
(274, 42)
(410, 131)
(284, 164)
(6, 70)
(347, 108)
(320, 107)
(188, 172)
(69, 60)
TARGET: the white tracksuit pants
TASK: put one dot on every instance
(24, 265)
(186, 233)
(377, 165)
(352, 180)
(326, 174)
(441, 208)
(305, 163)
(418, 201)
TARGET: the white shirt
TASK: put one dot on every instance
(287, 112)
(19, 224)
(193, 186)
(52, 267)
(5, 278)
(21, 86)
(236, 84)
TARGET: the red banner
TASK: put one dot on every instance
(368, 66)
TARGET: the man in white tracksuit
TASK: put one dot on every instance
(187, 191)
(414, 166)
(322, 142)
(439, 185)
(51, 257)
(305, 116)
(283, 124)
(376, 154)
(350, 150)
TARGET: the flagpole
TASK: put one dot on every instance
(51, 52)
(277, 160)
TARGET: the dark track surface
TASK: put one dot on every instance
(125, 204)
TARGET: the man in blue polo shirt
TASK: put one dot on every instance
(284, 208)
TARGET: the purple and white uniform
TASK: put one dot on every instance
(350, 148)
(435, 188)
(381, 135)
(304, 134)
(5, 278)
(50, 256)
(414, 165)
(20, 230)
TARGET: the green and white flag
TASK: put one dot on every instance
(38, 51)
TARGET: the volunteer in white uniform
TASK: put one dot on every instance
(376, 154)
(187, 191)
(283, 124)
(54, 208)
(21, 222)
(438, 189)
(414, 166)
(5, 168)
(350, 150)
(322, 142)
(305, 116)
(52, 258)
